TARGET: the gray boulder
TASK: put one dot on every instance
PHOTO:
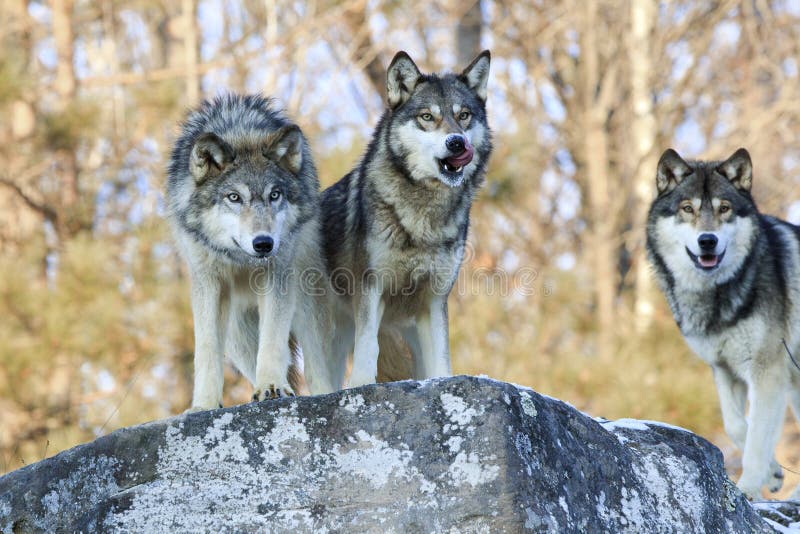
(461, 454)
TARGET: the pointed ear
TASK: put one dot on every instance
(477, 74)
(671, 170)
(210, 156)
(738, 169)
(285, 147)
(401, 78)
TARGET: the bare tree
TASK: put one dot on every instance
(597, 84)
(364, 52)
(190, 49)
(468, 34)
(65, 86)
(644, 130)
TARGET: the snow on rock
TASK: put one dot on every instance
(783, 516)
(459, 454)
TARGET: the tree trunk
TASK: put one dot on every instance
(190, 50)
(18, 221)
(596, 159)
(468, 35)
(643, 130)
(366, 51)
(65, 86)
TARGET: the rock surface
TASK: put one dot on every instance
(783, 516)
(461, 454)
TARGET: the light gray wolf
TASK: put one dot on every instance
(394, 228)
(732, 279)
(243, 199)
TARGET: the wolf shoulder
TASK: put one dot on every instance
(785, 234)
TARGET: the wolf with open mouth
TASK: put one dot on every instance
(394, 228)
(731, 276)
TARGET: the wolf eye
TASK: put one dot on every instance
(464, 115)
(687, 208)
(275, 195)
(724, 208)
(426, 117)
(234, 197)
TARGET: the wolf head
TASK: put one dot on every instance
(240, 179)
(438, 128)
(704, 221)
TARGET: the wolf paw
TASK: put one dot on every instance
(775, 478)
(273, 392)
(752, 494)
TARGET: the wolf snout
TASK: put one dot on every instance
(707, 242)
(263, 244)
(456, 144)
(460, 150)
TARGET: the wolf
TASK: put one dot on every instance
(731, 276)
(243, 200)
(394, 228)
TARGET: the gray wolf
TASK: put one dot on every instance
(243, 200)
(732, 279)
(394, 228)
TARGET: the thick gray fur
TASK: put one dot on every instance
(736, 303)
(243, 200)
(394, 228)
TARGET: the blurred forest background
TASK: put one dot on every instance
(584, 95)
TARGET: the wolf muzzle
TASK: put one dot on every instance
(263, 244)
(708, 259)
(461, 151)
(707, 242)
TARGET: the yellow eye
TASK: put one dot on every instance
(464, 115)
(426, 117)
(687, 208)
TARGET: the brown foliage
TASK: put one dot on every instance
(97, 330)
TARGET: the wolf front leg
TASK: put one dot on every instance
(368, 313)
(732, 394)
(767, 396)
(210, 308)
(732, 397)
(433, 357)
(276, 308)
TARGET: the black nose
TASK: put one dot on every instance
(263, 244)
(455, 144)
(707, 241)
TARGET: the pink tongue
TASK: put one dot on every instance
(463, 158)
(708, 261)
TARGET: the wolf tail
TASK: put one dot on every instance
(395, 361)
(295, 375)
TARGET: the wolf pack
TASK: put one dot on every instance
(299, 287)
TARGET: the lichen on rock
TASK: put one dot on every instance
(459, 454)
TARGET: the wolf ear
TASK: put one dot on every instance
(285, 147)
(671, 170)
(210, 156)
(401, 78)
(738, 169)
(477, 74)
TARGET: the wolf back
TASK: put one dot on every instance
(731, 276)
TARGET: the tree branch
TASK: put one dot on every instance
(39, 207)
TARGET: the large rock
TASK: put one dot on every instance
(449, 455)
